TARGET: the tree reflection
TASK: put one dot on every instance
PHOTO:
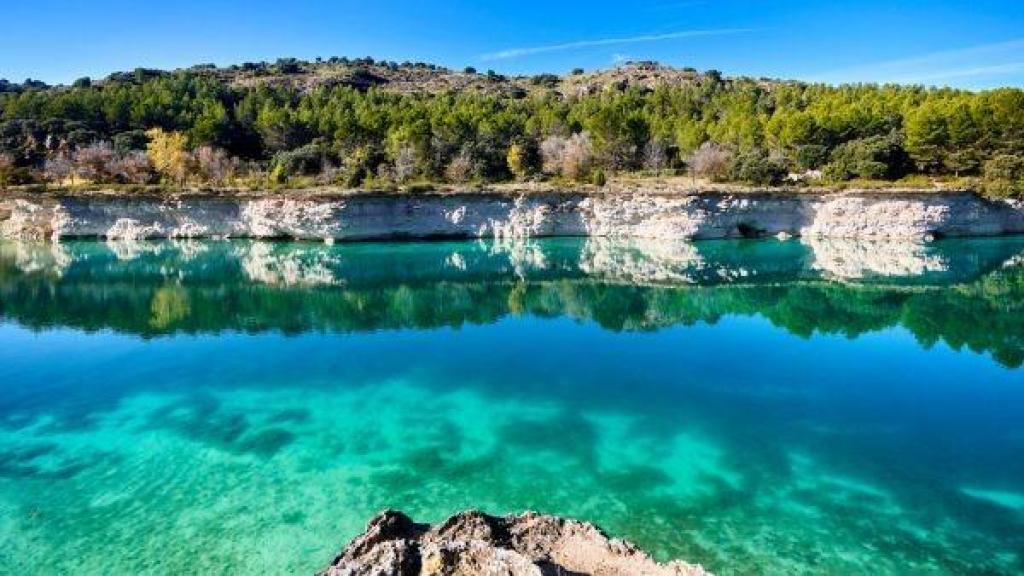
(966, 293)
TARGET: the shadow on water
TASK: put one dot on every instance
(45, 461)
(202, 418)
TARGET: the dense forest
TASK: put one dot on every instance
(366, 123)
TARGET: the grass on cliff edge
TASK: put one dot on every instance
(615, 184)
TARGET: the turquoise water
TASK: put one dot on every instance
(761, 407)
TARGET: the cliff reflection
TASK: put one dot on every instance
(967, 293)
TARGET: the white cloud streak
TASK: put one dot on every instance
(994, 70)
(510, 53)
(987, 60)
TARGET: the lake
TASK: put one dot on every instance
(758, 406)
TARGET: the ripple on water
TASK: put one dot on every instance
(275, 481)
(761, 407)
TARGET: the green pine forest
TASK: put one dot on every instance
(349, 123)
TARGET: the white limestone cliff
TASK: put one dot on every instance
(682, 216)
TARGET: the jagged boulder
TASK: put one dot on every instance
(528, 544)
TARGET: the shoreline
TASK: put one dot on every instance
(512, 214)
(662, 186)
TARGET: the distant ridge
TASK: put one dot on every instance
(413, 77)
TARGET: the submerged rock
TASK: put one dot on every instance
(472, 542)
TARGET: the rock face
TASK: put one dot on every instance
(636, 214)
(472, 543)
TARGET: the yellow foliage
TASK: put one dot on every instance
(167, 152)
(516, 160)
(169, 305)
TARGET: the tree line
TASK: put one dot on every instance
(198, 127)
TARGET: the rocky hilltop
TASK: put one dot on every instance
(414, 77)
(634, 213)
(421, 78)
(474, 543)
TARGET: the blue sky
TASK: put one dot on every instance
(944, 42)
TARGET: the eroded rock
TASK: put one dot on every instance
(474, 543)
(639, 213)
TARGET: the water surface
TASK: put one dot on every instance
(757, 406)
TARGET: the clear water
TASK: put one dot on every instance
(760, 407)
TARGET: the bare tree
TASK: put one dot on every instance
(60, 168)
(571, 157)
(710, 161)
(329, 173)
(132, 167)
(214, 164)
(578, 156)
(461, 167)
(6, 167)
(94, 162)
(656, 154)
(405, 163)
(552, 150)
(619, 154)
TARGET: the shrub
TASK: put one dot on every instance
(404, 163)
(964, 161)
(419, 188)
(552, 149)
(277, 175)
(1004, 176)
(303, 161)
(546, 80)
(523, 159)
(758, 167)
(358, 163)
(571, 157)
(6, 169)
(878, 158)
(656, 155)
(288, 66)
(166, 150)
(95, 162)
(214, 164)
(577, 156)
(131, 140)
(78, 137)
(59, 168)
(810, 156)
(132, 168)
(711, 161)
(354, 178)
(462, 167)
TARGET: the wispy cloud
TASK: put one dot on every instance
(974, 62)
(994, 70)
(509, 53)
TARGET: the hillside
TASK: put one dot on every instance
(373, 124)
(405, 78)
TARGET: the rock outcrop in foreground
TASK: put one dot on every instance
(474, 543)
